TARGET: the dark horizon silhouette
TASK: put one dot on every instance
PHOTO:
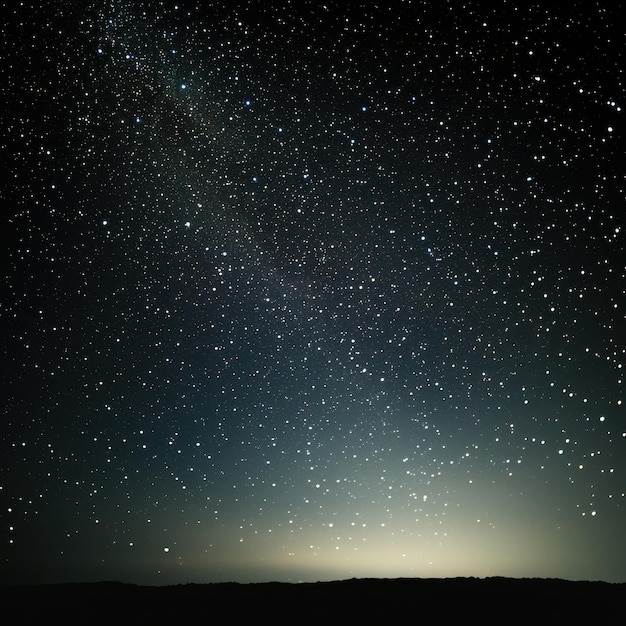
(366, 600)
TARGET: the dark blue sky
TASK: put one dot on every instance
(301, 291)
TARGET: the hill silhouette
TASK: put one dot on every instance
(354, 601)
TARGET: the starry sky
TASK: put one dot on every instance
(312, 290)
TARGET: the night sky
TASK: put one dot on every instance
(312, 290)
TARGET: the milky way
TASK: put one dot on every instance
(305, 291)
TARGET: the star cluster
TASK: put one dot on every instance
(309, 290)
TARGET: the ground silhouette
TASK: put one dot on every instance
(354, 601)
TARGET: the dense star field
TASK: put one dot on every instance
(306, 291)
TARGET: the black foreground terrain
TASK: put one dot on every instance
(355, 601)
